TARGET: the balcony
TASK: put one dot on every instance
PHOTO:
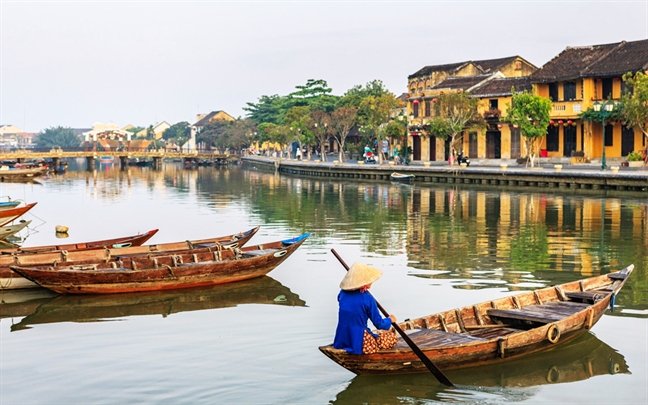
(566, 109)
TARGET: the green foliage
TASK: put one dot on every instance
(63, 137)
(634, 104)
(531, 114)
(635, 156)
(530, 250)
(178, 133)
(457, 112)
(354, 96)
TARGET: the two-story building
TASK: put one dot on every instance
(489, 80)
(575, 80)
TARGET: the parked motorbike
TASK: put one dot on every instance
(369, 157)
(461, 158)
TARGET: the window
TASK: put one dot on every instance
(553, 91)
(518, 65)
(427, 107)
(415, 110)
(493, 104)
(569, 91)
(607, 89)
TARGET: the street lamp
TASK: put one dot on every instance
(604, 109)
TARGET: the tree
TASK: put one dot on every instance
(342, 120)
(63, 137)
(299, 121)
(635, 102)
(373, 115)
(178, 133)
(320, 127)
(530, 113)
(354, 96)
(456, 113)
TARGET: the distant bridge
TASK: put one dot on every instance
(57, 154)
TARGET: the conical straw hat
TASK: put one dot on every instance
(359, 275)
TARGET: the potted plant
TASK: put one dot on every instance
(635, 159)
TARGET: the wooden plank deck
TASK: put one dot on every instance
(543, 314)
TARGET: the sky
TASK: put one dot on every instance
(75, 63)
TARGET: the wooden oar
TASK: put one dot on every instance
(428, 363)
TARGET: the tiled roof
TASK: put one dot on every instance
(592, 61)
(627, 57)
(502, 87)
(490, 65)
(487, 66)
(463, 82)
(207, 118)
(437, 68)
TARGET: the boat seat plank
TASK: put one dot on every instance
(589, 296)
(546, 313)
(259, 252)
(492, 333)
(426, 338)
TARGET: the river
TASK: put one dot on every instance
(440, 246)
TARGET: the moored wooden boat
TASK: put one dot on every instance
(9, 230)
(406, 178)
(10, 280)
(12, 214)
(122, 242)
(7, 173)
(194, 268)
(494, 331)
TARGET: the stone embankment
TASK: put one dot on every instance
(507, 173)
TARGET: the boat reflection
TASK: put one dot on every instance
(579, 360)
(19, 303)
(94, 308)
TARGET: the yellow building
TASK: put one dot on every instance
(491, 76)
(575, 80)
(490, 80)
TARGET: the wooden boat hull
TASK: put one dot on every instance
(196, 268)
(404, 178)
(10, 280)
(10, 230)
(12, 214)
(494, 331)
(124, 241)
(22, 173)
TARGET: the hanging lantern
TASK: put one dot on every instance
(458, 90)
(416, 101)
(516, 126)
(569, 122)
(560, 122)
(441, 93)
(434, 100)
(499, 126)
(550, 122)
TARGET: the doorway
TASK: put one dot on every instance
(493, 145)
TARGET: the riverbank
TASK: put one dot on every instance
(549, 174)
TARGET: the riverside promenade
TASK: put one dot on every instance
(548, 173)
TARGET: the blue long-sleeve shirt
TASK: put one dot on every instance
(355, 308)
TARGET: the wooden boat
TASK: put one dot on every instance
(5, 205)
(10, 230)
(10, 280)
(194, 268)
(12, 214)
(124, 241)
(7, 173)
(584, 358)
(494, 331)
(406, 178)
(96, 308)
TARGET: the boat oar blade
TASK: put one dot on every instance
(428, 363)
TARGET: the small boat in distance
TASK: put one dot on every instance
(5, 205)
(193, 268)
(405, 178)
(494, 331)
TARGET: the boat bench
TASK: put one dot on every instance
(590, 297)
(537, 314)
(262, 252)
